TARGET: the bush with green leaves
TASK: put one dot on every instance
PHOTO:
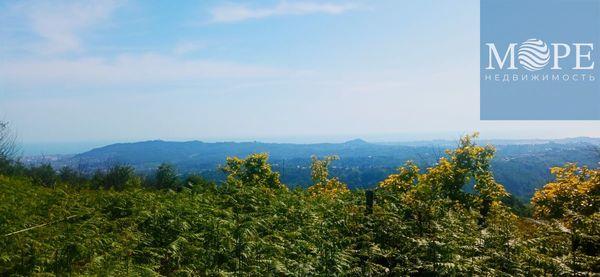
(423, 222)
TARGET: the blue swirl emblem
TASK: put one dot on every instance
(534, 54)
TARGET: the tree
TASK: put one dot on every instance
(404, 180)
(70, 176)
(199, 183)
(121, 177)
(43, 175)
(322, 184)
(166, 177)
(7, 142)
(8, 149)
(572, 202)
(254, 170)
(97, 179)
(576, 190)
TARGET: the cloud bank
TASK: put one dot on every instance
(58, 25)
(125, 69)
(236, 13)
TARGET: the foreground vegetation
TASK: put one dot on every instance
(448, 219)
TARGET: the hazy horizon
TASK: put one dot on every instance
(75, 147)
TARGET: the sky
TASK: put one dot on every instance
(112, 71)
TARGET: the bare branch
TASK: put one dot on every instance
(8, 148)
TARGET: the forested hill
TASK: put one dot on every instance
(522, 166)
(200, 155)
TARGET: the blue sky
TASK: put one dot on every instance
(265, 70)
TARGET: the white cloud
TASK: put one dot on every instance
(235, 13)
(59, 24)
(186, 47)
(124, 70)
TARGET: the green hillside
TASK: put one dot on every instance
(450, 219)
(521, 166)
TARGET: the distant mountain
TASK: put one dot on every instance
(207, 155)
(356, 142)
(498, 142)
(522, 166)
